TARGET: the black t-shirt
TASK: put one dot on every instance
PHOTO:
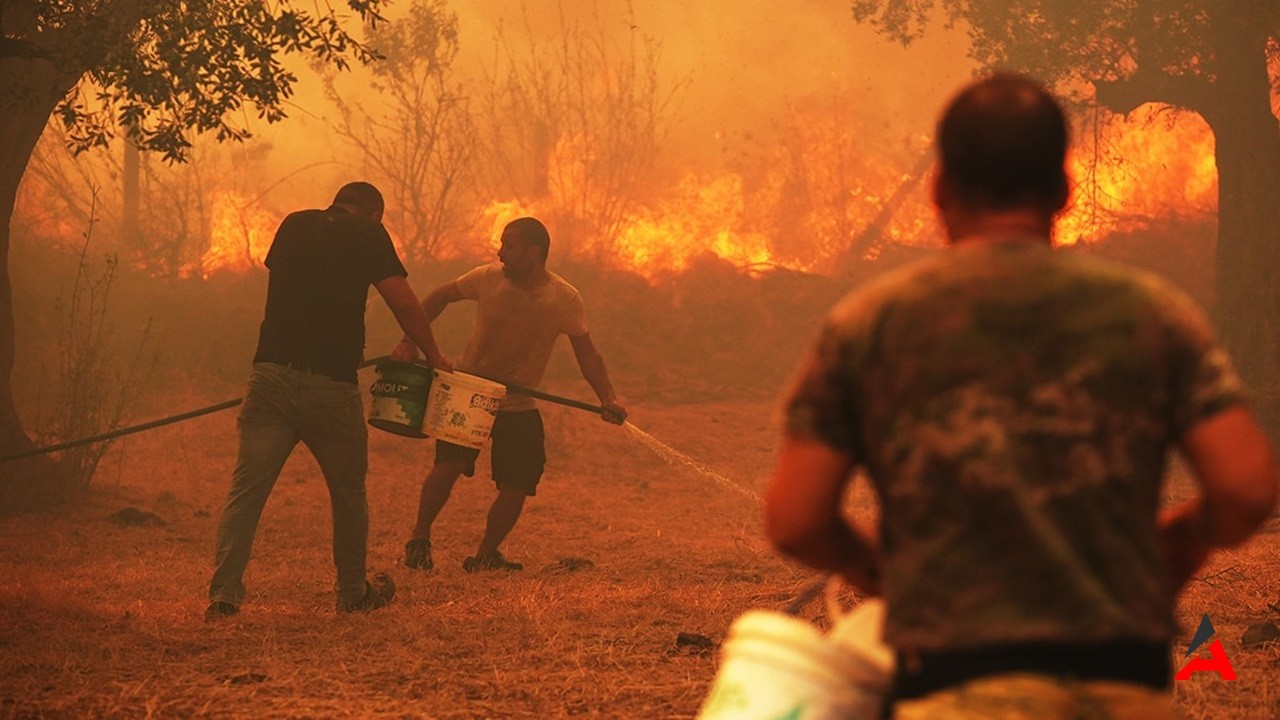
(321, 264)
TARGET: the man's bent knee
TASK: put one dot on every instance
(445, 472)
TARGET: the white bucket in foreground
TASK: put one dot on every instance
(461, 408)
(861, 631)
(778, 667)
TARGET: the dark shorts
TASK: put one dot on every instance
(517, 451)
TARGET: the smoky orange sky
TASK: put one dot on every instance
(744, 61)
(737, 65)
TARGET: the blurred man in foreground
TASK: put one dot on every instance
(1013, 407)
(303, 385)
(522, 308)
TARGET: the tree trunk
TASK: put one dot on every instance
(1246, 305)
(30, 88)
(129, 225)
(851, 257)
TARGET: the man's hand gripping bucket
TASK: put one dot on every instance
(775, 666)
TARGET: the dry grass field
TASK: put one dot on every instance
(623, 552)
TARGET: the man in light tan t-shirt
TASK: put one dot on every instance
(522, 309)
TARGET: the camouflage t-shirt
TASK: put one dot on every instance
(1013, 407)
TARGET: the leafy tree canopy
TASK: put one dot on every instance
(1168, 43)
(165, 69)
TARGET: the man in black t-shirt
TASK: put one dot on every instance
(303, 385)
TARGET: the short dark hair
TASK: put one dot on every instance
(361, 194)
(1002, 144)
(532, 231)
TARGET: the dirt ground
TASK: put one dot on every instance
(627, 557)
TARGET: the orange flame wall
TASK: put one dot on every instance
(1156, 164)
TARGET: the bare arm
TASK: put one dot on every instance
(432, 305)
(409, 314)
(592, 365)
(803, 517)
(1234, 465)
(438, 299)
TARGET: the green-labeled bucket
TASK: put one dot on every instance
(400, 397)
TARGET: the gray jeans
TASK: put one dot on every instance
(281, 407)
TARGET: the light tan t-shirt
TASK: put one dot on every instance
(517, 328)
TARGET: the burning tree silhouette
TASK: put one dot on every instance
(573, 126)
(417, 142)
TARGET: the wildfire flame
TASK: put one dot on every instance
(496, 216)
(1153, 165)
(1156, 163)
(240, 234)
(705, 216)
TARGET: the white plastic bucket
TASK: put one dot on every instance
(461, 408)
(775, 666)
(861, 632)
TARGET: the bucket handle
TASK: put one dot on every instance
(830, 587)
